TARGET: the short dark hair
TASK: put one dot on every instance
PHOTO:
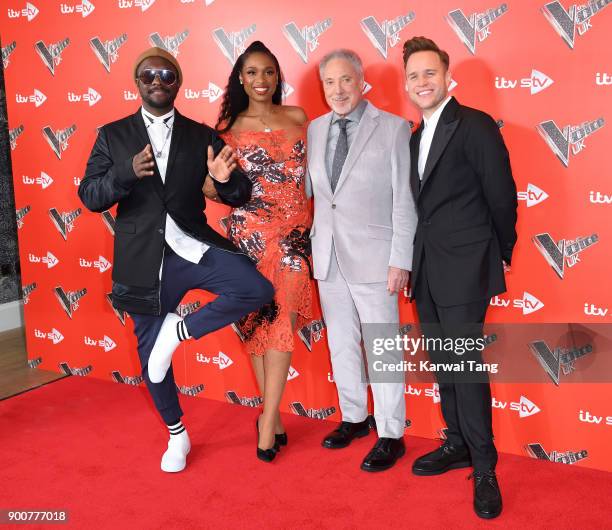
(423, 44)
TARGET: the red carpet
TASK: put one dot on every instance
(93, 448)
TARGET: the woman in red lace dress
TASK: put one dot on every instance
(269, 140)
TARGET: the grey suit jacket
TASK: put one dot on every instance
(371, 217)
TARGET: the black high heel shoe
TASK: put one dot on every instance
(267, 455)
(281, 439)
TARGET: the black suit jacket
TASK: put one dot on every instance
(144, 203)
(466, 204)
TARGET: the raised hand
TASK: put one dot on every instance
(221, 166)
(143, 163)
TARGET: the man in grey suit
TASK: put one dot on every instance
(362, 238)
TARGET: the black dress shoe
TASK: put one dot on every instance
(281, 439)
(345, 433)
(384, 454)
(267, 455)
(487, 497)
(443, 459)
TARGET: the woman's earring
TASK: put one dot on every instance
(240, 81)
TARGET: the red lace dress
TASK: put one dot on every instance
(273, 229)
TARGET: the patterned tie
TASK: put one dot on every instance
(340, 154)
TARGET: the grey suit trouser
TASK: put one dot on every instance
(346, 306)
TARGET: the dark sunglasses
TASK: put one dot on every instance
(166, 77)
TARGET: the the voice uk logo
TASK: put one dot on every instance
(306, 39)
(575, 19)
(386, 34)
(232, 44)
(569, 139)
(563, 253)
(475, 27)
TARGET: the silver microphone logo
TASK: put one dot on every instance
(170, 43)
(14, 134)
(558, 360)
(571, 136)
(186, 309)
(476, 26)
(33, 363)
(51, 55)
(306, 39)
(577, 18)
(6, 53)
(26, 290)
(233, 397)
(311, 333)
(109, 221)
(126, 379)
(69, 300)
(107, 52)
(64, 222)
(318, 414)
(224, 223)
(65, 367)
(536, 450)
(58, 140)
(190, 390)
(563, 253)
(20, 214)
(234, 43)
(386, 34)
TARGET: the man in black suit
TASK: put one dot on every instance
(466, 203)
(153, 164)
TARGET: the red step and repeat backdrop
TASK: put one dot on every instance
(540, 68)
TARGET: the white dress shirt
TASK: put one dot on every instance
(159, 129)
(429, 128)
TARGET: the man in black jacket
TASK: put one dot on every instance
(153, 164)
(466, 203)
